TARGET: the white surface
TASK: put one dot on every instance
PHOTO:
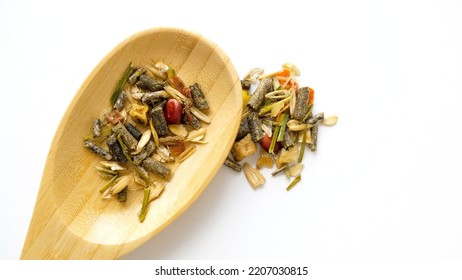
(385, 182)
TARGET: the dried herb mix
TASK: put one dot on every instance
(278, 116)
(142, 135)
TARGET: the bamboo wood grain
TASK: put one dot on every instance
(70, 220)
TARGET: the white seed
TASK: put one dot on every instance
(295, 170)
(196, 135)
(165, 153)
(277, 94)
(144, 140)
(187, 153)
(253, 75)
(156, 72)
(295, 125)
(267, 129)
(176, 94)
(277, 108)
(255, 178)
(120, 184)
(178, 130)
(330, 121)
(112, 165)
(156, 191)
(201, 116)
(158, 158)
(292, 103)
(291, 67)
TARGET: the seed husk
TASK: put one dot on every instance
(106, 170)
(165, 153)
(329, 121)
(145, 137)
(201, 116)
(178, 130)
(120, 184)
(97, 150)
(253, 75)
(112, 165)
(189, 151)
(295, 125)
(254, 177)
(287, 156)
(291, 67)
(156, 191)
(295, 170)
(196, 135)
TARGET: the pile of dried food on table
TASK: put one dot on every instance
(279, 115)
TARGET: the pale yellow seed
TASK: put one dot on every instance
(187, 153)
(120, 184)
(178, 130)
(196, 135)
(292, 68)
(330, 121)
(254, 177)
(156, 191)
(201, 116)
(144, 139)
(295, 170)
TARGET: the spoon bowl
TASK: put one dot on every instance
(70, 219)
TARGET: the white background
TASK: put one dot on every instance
(385, 182)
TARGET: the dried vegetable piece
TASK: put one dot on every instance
(258, 97)
(115, 148)
(144, 156)
(157, 167)
(198, 97)
(243, 148)
(279, 116)
(97, 150)
(133, 131)
(158, 119)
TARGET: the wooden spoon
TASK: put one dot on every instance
(70, 219)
